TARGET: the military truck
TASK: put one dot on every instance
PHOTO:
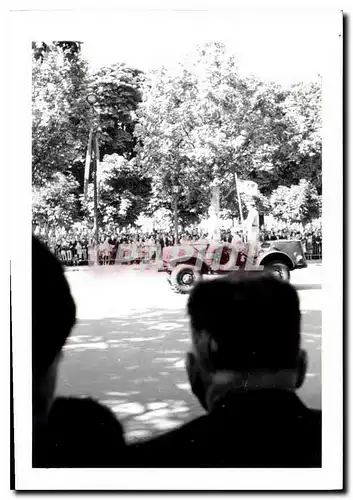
(186, 264)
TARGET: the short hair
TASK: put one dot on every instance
(53, 308)
(249, 321)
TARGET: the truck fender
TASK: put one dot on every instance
(263, 260)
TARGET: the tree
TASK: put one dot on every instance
(200, 126)
(192, 130)
(303, 108)
(70, 49)
(60, 115)
(118, 89)
(122, 194)
(184, 126)
(55, 204)
(62, 119)
(299, 203)
(297, 136)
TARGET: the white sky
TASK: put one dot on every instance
(284, 46)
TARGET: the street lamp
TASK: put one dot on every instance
(93, 153)
(91, 99)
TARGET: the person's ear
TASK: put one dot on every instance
(192, 371)
(302, 366)
(190, 364)
(197, 379)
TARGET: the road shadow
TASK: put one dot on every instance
(134, 364)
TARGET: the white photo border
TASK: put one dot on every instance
(25, 27)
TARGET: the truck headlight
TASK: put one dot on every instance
(299, 258)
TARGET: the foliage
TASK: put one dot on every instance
(298, 155)
(60, 121)
(55, 204)
(122, 195)
(187, 130)
(198, 127)
(299, 203)
(70, 49)
(179, 142)
(161, 219)
(117, 88)
(62, 117)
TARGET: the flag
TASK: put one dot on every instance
(248, 187)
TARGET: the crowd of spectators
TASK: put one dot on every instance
(75, 249)
(310, 237)
(81, 249)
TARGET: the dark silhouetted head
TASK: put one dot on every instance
(245, 324)
(53, 316)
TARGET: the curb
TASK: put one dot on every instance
(110, 268)
(138, 267)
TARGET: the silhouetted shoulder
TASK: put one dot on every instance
(81, 433)
(250, 431)
(83, 411)
(177, 448)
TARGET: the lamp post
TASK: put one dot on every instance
(93, 154)
(176, 218)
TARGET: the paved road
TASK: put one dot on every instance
(128, 347)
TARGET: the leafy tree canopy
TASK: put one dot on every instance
(118, 90)
(184, 131)
(60, 120)
(71, 49)
(199, 126)
(55, 204)
(123, 196)
(298, 203)
(298, 155)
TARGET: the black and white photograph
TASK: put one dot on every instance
(180, 325)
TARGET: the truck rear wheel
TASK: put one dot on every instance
(279, 270)
(183, 278)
